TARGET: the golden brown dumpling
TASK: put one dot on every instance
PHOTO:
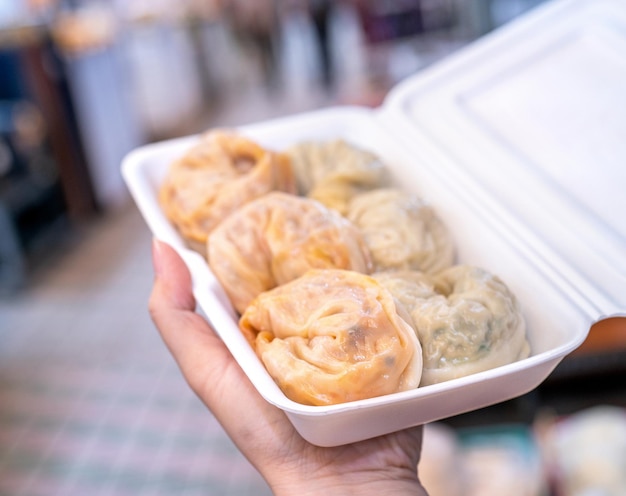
(275, 239)
(466, 319)
(333, 336)
(223, 171)
(401, 231)
(333, 172)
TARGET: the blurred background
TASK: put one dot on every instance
(90, 401)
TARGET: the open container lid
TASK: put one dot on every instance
(531, 123)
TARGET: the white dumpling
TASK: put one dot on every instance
(402, 231)
(332, 172)
(466, 319)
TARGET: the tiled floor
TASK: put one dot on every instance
(91, 403)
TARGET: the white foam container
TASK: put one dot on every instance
(519, 142)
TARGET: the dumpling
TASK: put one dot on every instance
(275, 239)
(223, 171)
(467, 320)
(333, 172)
(401, 231)
(332, 336)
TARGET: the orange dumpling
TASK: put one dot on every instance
(332, 336)
(278, 237)
(223, 171)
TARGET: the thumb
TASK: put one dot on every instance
(197, 349)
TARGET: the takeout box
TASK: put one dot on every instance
(519, 143)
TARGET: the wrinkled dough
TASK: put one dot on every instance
(333, 172)
(401, 231)
(466, 319)
(223, 171)
(332, 336)
(275, 239)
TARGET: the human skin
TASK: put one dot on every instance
(381, 466)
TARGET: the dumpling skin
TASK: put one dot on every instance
(332, 172)
(467, 320)
(278, 237)
(223, 171)
(333, 336)
(401, 231)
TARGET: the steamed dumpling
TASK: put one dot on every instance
(466, 319)
(275, 239)
(223, 171)
(333, 336)
(401, 231)
(333, 172)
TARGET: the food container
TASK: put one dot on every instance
(519, 143)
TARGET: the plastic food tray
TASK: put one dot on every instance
(518, 141)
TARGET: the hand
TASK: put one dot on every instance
(289, 464)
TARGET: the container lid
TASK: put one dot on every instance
(529, 123)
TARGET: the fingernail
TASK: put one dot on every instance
(156, 256)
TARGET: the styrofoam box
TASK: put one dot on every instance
(519, 143)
